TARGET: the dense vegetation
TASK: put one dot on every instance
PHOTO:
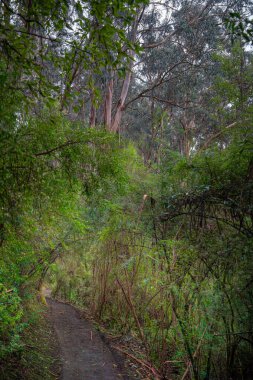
(127, 179)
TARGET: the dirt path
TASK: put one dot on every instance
(84, 355)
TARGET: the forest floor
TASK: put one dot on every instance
(83, 354)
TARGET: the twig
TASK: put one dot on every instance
(141, 362)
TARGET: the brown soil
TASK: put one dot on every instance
(83, 354)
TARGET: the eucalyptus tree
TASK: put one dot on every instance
(175, 72)
(62, 36)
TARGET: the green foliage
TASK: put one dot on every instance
(161, 253)
(174, 269)
(40, 36)
(35, 356)
(240, 26)
(50, 167)
(10, 320)
(233, 87)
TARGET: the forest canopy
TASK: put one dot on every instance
(127, 178)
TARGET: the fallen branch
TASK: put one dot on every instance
(141, 362)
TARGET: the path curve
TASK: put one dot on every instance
(84, 355)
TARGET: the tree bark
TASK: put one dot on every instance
(92, 112)
(108, 104)
(122, 100)
(121, 103)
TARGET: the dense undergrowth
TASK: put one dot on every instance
(156, 245)
(32, 353)
(49, 168)
(175, 270)
(169, 261)
(162, 255)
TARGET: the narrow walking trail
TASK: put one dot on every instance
(84, 355)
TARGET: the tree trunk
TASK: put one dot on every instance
(108, 104)
(92, 112)
(121, 103)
